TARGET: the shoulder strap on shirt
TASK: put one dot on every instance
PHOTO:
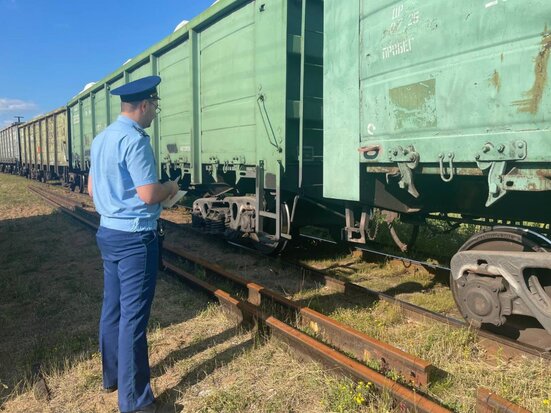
(141, 132)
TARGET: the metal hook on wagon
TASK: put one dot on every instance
(441, 158)
(370, 151)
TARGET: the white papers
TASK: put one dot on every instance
(167, 203)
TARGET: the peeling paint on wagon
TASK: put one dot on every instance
(495, 80)
(532, 102)
(425, 170)
(414, 105)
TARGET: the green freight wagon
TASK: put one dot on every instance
(88, 115)
(241, 111)
(25, 152)
(439, 106)
(10, 154)
(44, 144)
(28, 150)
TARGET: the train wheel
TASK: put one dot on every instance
(266, 243)
(478, 295)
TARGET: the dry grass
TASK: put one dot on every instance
(266, 379)
(451, 351)
(410, 284)
(44, 302)
(523, 381)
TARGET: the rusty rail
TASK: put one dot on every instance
(493, 343)
(248, 312)
(310, 348)
(363, 347)
(488, 402)
(62, 204)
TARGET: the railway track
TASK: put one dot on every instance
(333, 338)
(528, 342)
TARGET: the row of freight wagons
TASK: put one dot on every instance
(37, 149)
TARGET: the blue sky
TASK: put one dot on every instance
(50, 49)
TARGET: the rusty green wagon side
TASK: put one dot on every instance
(444, 107)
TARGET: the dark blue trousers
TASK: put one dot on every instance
(130, 262)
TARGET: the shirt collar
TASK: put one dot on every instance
(128, 121)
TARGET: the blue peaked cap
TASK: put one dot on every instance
(140, 89)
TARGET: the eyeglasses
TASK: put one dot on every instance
(155, 103)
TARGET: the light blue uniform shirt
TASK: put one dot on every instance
(121, 160)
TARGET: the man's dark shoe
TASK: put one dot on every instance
(110, 389)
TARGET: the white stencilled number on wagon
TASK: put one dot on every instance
(397, 11)
(411, 18)
(414, 18)
(398, 48)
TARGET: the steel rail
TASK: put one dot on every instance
(490, 341)
(488, 402)
(50, 198)
(346, 339)
(423, 264)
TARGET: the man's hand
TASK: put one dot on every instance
(173, 188)
(90, 192)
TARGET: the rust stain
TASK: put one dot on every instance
(534, 95)
(496, 80)
(543, 173)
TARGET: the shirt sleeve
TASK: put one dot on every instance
(140, 162)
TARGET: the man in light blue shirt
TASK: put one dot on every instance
(126, 192)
